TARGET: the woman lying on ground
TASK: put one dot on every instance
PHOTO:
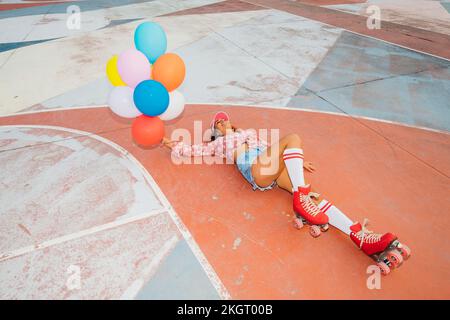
(281, 164)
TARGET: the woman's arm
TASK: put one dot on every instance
(181, 149)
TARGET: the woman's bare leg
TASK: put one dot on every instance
(284, 182)
(275, 153)
(270, 164)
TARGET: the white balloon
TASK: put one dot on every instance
(121, 102)
(176, 106)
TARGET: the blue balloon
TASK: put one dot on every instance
(150, 39)
(151, 98)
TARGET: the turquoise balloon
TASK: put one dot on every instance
(151, 98)
(150, 39)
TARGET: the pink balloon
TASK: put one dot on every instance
(133, 67)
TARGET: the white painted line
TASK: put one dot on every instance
(79, 234)
(51, 110)
(213, 277)
(132, 291)
(331, 113)
(225, 104)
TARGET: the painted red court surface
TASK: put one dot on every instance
(80, 200)
(248, 236)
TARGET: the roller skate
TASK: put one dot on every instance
(385, 249)
(307, 212)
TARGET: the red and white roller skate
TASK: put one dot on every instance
(307, 212)
(385, 249)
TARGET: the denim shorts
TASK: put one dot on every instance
(244, 163)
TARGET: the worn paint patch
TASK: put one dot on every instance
(108, 263)
(276, 53)
(61, 184)
(248, 216)
(237, 243)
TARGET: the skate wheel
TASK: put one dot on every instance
(405, 252)
(298, 223)
(383, 268)
(395, 258)
(314, 231)
(324, 228)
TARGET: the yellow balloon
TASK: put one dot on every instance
(112, 73)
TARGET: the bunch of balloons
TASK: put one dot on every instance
(144, 80)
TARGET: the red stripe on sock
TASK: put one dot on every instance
(326, 207)
(292, 154)
(292, 157)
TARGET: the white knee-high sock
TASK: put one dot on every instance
(293, 159)
(336, 217)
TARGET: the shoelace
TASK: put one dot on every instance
(365, 235)
(310, 206)
(313, 195)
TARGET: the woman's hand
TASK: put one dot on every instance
(236, 129)
(166, 142)
(308, 166)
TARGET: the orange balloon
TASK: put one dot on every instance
(147, 131)
(170, 70)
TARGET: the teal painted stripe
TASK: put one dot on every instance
(15, 45)
(446, 5)
(366, 77)
(179, 277)
(62, 7)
